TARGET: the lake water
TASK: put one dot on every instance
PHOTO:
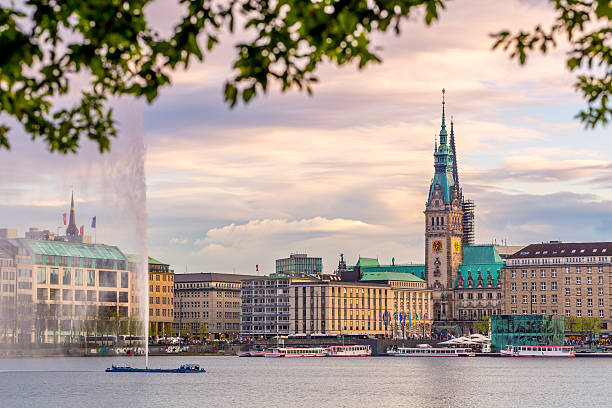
(309, 382)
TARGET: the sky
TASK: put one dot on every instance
(344, 171)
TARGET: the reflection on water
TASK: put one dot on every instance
(316, 382)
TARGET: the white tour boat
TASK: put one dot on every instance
(357, 350)
(430, 352)
(513, 350)
(297, 352)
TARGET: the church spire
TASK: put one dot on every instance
(455, 171)
(72, 230)
(443, 133)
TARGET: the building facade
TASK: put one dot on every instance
(477, 287)
(265, 306)
(299, 264)
(556, 278)
(161, 297)
(375, 306)
(59, 286)
(208, 303)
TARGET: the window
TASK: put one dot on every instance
(513, 286)
(567, 292)
(567, 313)
(534, 273)
(578, 292)
(553, 299)
(589, 302)
(600, 280)
(578, 270)
(590, 291)
(589, 280)
(41, 294)
(124, 280)
(513, 299)
(543, 299)
(542, 285)
(524, 285)
(600, 291)
(513, 273)
(589, 270)
(42, 275)
(553, 285)
(91, 278)
(534, 286)
(578, 302)
(78, 277)
(578, 282)
(579, 313)
(66, 278)
(524, 273)
(524, 299)
(567, 302)
(567, 270)
(601, 313)
(553, 273)
(107, 279)
(567, 280)
(25, 285)
(54, 276)
(534, 298)
(543, 273)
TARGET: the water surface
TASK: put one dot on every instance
(310, 382)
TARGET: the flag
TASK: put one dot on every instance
(82, 230)
(64, 217)
(409, 319)
(93, 222)
(257, 268)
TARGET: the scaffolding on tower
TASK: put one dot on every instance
(469, 232)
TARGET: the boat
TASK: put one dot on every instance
(296, 352)
(243, 354)
(257, 353)
(521, 350)
(430, 352)
(185, 368)
(355, 350)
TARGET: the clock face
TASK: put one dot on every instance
(436, 246)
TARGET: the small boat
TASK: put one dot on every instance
(185, 368)
(514, 350)
(257, 353)
(357, 350)
(243, 354)
(297, 352)
(430, 352)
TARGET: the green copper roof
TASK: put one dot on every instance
(478, 270)
(367, 262)
(74, 249)
(480, 254)
(390, 276)
(153, 261)
(479, 261)
(416, 269)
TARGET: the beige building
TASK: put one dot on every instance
(376, 306)
(56, 286)
(161, 297)
(208, 302)
(571, 279)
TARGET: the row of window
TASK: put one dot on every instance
(554, 312)
(553, 299)
(553, 272)
(553, 286)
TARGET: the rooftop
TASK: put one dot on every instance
(562, 249)
(153, 261)
(367, 262)
(73, 249)
(211, 277)
(390, 276)
(480, 254)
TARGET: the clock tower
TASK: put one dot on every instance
(443, 226)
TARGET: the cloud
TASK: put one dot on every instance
(179, 240)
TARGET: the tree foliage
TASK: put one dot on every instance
(482, 325)
(108, 48)
(586, 24)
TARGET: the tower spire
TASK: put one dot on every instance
(72, 230)
(455, 171)
(443, 133)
